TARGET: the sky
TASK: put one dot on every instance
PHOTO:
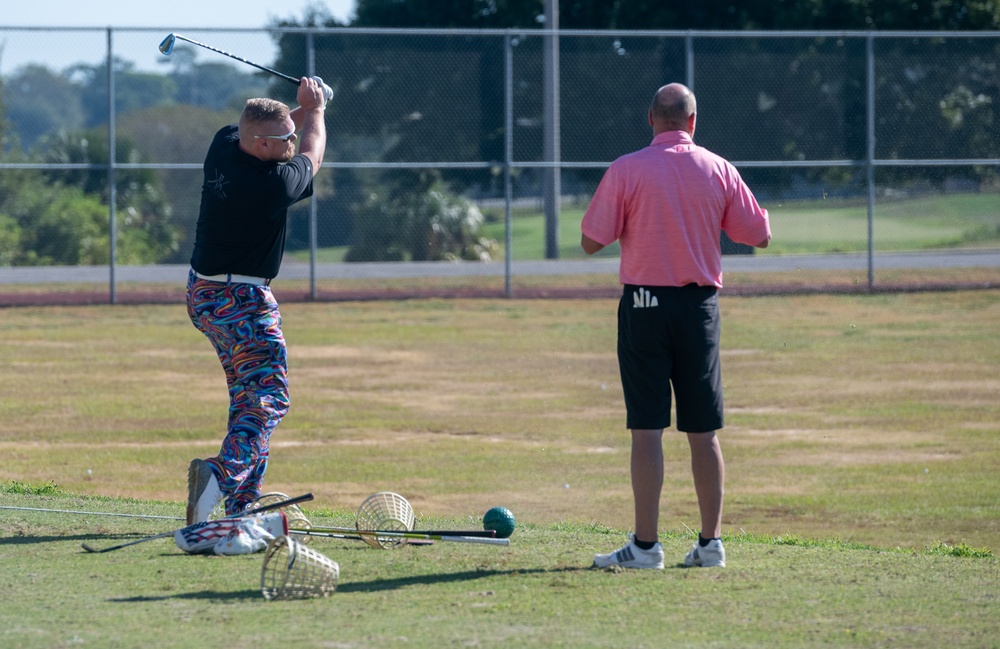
(164, 13)
(19, 48)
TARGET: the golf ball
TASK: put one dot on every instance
(500, 519)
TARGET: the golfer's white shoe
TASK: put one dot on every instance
(709, 556)
(632, 556)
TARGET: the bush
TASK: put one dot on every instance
(433, 226)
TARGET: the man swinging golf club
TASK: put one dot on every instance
(252, 175)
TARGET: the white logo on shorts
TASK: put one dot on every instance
(642, 299)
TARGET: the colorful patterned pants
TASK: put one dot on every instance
(244, 325)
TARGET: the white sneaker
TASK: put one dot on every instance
(203, 491)
(631, 556)
(709, 556)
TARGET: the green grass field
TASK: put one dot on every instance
(862, 505)
(805, 227)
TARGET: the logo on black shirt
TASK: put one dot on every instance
(215, 185)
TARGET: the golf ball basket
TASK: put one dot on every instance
(384, 511)
(293, 571)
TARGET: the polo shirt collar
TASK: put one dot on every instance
(672, 138)
(250, 159)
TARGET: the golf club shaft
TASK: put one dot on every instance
(260, 510)
(353, 537)
(329, 535)
(125, 545)
(167, 48)
(485, 534)
(278, 505)
(83, 513)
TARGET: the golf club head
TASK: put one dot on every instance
(167, 46)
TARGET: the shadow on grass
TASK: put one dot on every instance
(206, 595)
(374, 585)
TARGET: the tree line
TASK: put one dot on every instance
(405, 99)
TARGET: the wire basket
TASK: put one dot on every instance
(293, 571)
(296, 519)
(384, 511)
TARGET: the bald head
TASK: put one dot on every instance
(673, 109)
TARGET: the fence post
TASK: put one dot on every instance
(689, 60)
(508, 156)
(112, 194)
(552, 145)
(313, 202)
(870, 154)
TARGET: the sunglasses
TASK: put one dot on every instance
(283, 138)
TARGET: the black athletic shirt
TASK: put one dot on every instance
(244, 205)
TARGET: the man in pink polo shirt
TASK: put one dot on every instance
(667, 205)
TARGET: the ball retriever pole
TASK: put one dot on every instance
(387, 534)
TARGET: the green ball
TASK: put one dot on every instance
(501, 520)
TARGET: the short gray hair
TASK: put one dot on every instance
(261, 110)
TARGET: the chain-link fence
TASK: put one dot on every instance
(460, 162)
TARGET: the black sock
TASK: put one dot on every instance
(702, 541)
(644, 545)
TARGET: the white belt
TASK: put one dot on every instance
(230, 278)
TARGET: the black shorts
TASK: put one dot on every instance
(670, 336)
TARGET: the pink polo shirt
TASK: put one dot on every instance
(668, 204)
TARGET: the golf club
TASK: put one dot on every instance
(483, 534)
(386, 534)
(352, 537)
(259, 510)
(167, 46)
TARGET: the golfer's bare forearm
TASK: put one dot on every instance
(312, 137)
